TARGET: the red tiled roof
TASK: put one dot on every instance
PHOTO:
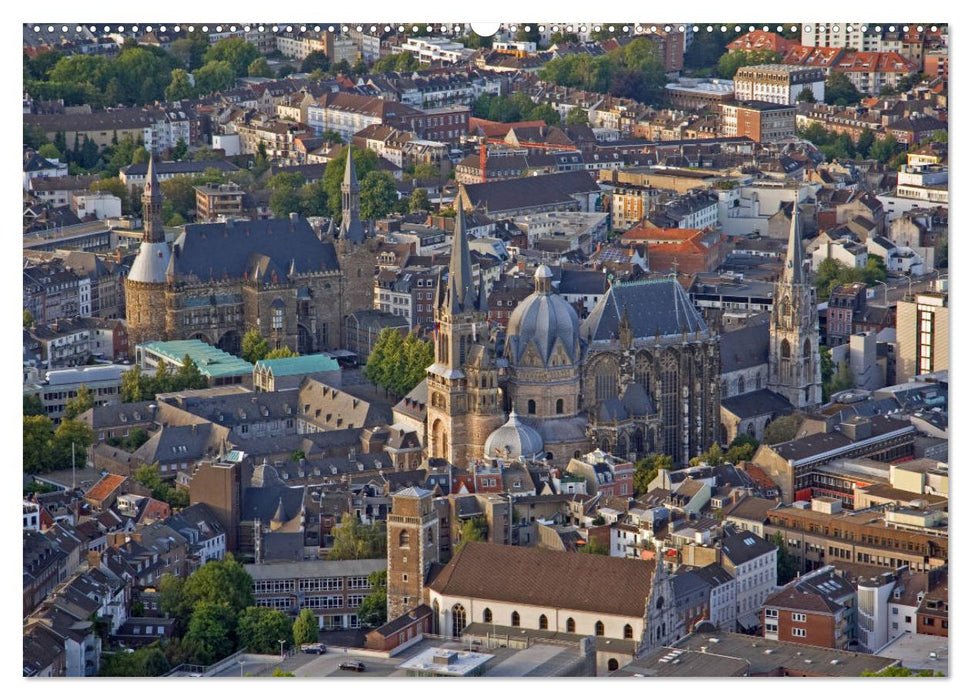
(759, 40)
(875, 62)
(104, 488)
(811, 56)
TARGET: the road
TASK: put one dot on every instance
(899, 287)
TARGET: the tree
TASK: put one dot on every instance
(378, 195)
(730, 62)
(172, 600)
(188, 52)
(305, 629)
(68, 433)
(33, 406)
(388, 368)
(884, 149)
(279, 353)
(215, 77)
(865, 142)
(255, 346)
(259, 630)
(901, 672)
(38, 434)
(419, 355)
(235, 51)
(135, 386)
(841, 382)
(279, 673)
(188, 375)
(472, 530)
(179, 151)
(419, 200)
(209, 636)
(577, 115)
(782, 429)
(163, 381)
(786, 564)
(285, 201)
(825, 363)
(223, 582)
(354, 540)
(373, 611)
(80, 403)
(315, 60)
(49, 151)
(28, 318)
(839, 90)
(594, 546)
(259, 68)
(646, 470)
(806, 95)
(180, 87)
(742, 449)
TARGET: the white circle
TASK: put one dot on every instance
(387, 28)
(178, 28)
(710, 28)
(892, 28)
(667, 27)
(191, 28)
(205, 28)
(63, 27)
(934, 28)
(219, 28)
(724, 28)
(738, 28)
(779, 28)
(920, 28)
(626, 28)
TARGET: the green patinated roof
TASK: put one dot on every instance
(212, 362)
(305, 364)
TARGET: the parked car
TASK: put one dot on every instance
(351, 666)
(313, 648)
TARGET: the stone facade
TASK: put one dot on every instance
(413, 547)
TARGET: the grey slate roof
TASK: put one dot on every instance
(525, 192)
(745, 547)
(654, 307)
(757, 403)
(746, 347)
(241, 248)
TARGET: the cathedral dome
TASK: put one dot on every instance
(513, 439)
(541, 319)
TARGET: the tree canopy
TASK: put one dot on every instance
(373, 611)
(782, 429)
(645, 471)
(730, 62)
(355, 540)
(839, 90)
(260, 629)
(398, 365)
(305, 628)
(594, 546)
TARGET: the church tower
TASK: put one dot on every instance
(356, 251)
(413, 537)
(145, 284)
(794, 367)
(464, 403)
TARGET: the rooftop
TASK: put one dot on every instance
(212, 362)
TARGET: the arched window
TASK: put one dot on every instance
(741, 385)
(612, 665)
(487, 615)
(559, 405)
(543, 622)
(515, 619)
(571, 626)
(458, 620)
(628, 632)
(598, 629)
(531, 407)
(784, 350)
(403, 538)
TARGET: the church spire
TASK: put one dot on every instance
(460, 293)
(152, 206)
(351, 227)
(793, 273)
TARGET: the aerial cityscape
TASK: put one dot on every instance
(570, 350)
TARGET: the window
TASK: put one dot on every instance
(598, 628)
(571, 626)
(458, 620)
(403, 538)
(559, 405)
(487, 615)
(515, 619)
(798, 632)
(543, 622)
(628, 632)
(771, 612)
(531, 407)
(798, 617)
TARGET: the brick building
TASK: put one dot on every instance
(817, 609)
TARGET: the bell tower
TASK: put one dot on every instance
(794, 367)
(356, 250)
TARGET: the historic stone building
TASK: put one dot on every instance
(413, 534)
(277, 276)
(464, 398)
(641, 374)
(794, 367)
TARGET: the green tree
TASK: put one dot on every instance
(279, 353)
(152, 661)
(365, 161)
(884, 149)
(305, 628)
(594, 546)
(285, 201)
(387, 369)
(49, 150)
(135, 386)
(259, 68)
(782, 429)
(354, 540)
(646, 470)
(419, 355)
(188, 52)
(427, 171)
(577, 115)
(865, 142)
(729, 63)
(255, 347)
(786, 564)
(472, 530)
(210, 634)
(373, 611)
(419, 200)
(742, 449)
(173, 602)
(825, 363)
(378, 195)
(188, 376)
(259, 630)
(179, 151)
(315, 60)
(163, 381)
(28, 318)
(180, 87)
(235, 51)
(222, 582)
(841, 382)
(68, 433)
(215, 77)
(806, 95)
(80, 403)
(839, 90)
(33, 406)
(38, 435)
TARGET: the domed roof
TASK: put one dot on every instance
(151, 263)
(513, 439)
(540, 319)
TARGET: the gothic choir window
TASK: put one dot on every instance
(277, 319)
(669, 403)
(458, 620)
(543, 622)
(571, 626)
(515, 619)
(628, 632)
(598, 629)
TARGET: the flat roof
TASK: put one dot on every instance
(315, 568)
(211, 361)
(304, 364)
(914, 651)
(446, 662)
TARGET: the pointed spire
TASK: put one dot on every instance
(151, 178)
(350, 172)
(483, 298)
(793, 273)
(152, 205)
(351, 227)
(460, 293)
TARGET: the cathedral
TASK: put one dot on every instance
(278, 276)
(639, 375)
